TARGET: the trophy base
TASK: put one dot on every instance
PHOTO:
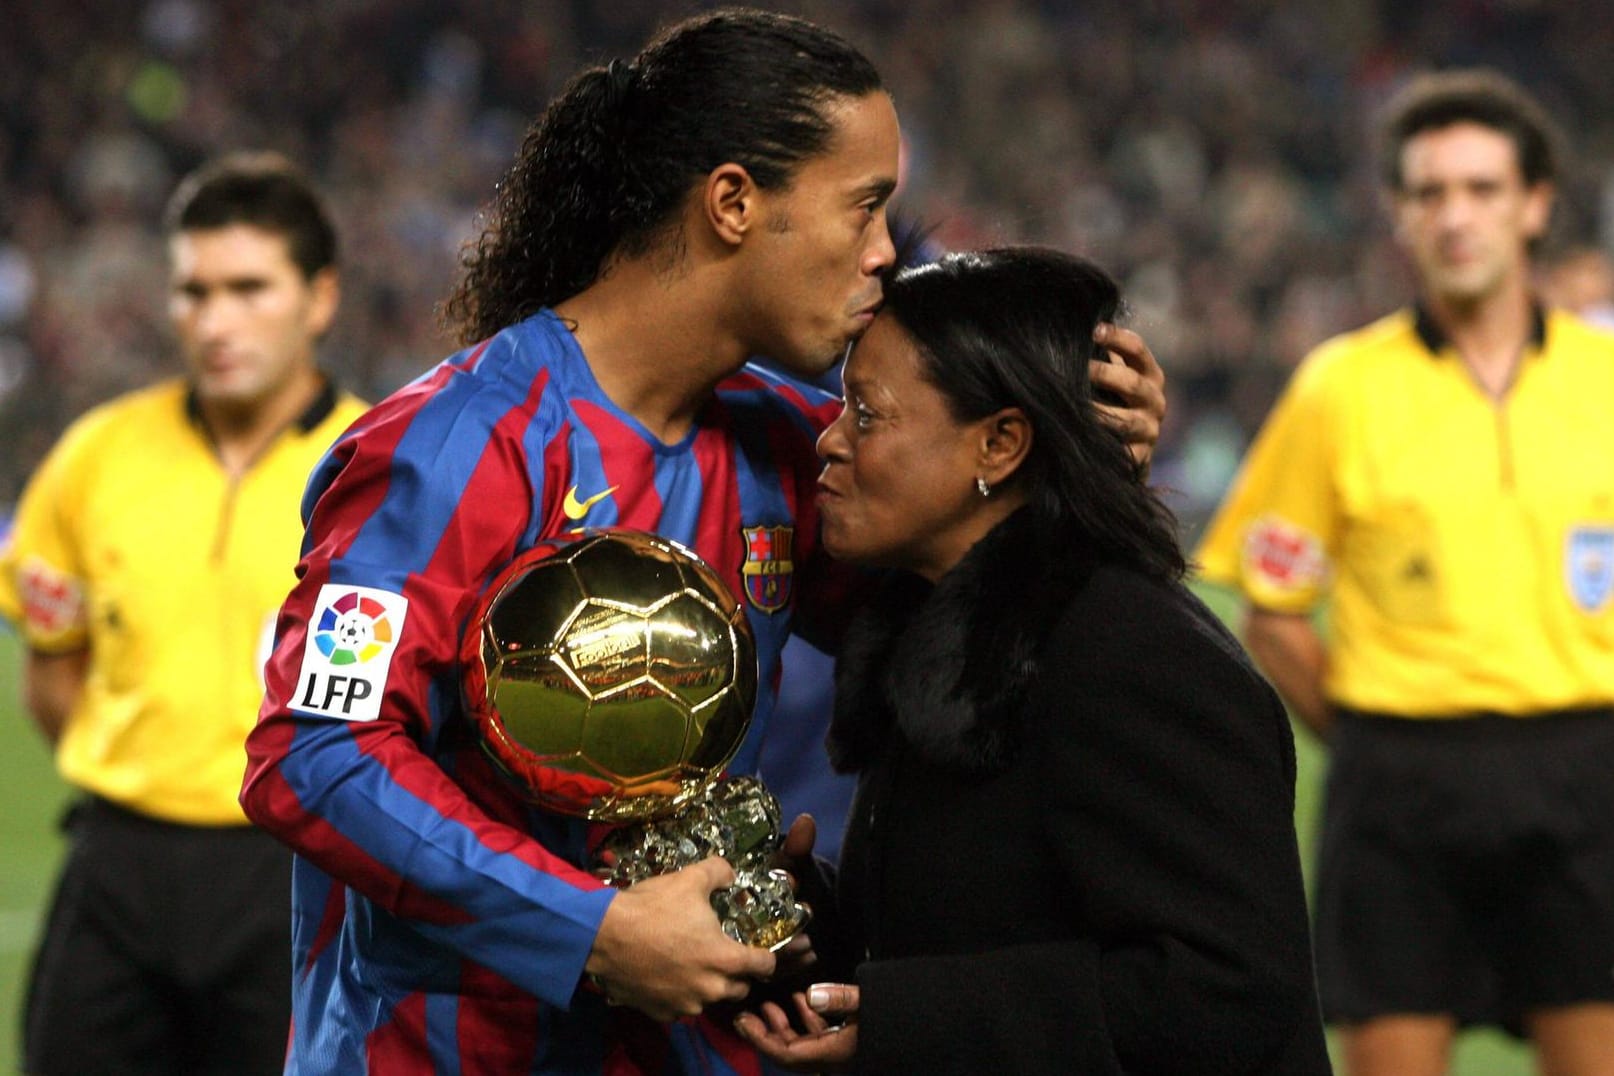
(760, 909)
(738, 819)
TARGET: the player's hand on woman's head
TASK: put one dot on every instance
(1140, 384)
(661, 949)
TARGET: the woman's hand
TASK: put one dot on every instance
(822, 1046)
(1138, 380)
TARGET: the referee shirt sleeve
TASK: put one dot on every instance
(43, 589)
(1275, 534)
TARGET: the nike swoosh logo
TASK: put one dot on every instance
(576, 509)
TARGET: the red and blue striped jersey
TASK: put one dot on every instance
(440, 923)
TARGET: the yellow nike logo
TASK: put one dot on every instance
(576, 509)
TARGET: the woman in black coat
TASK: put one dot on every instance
(1072, 848)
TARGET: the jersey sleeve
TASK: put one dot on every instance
(406, 520)
(1275, 533)
(42, 577)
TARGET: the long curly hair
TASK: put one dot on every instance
(604, 169)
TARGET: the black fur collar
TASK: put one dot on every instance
(951, 664)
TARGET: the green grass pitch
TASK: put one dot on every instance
(31, 799)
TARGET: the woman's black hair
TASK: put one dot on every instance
(1013, 327)
(604, 169)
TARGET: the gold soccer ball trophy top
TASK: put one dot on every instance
(611, 676)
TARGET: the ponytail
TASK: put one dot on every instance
(507, 277)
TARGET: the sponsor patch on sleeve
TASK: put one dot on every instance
(1283, 557)
(351, 639)
(52, 600)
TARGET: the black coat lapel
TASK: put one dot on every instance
(951, 664)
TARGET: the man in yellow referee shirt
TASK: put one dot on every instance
(1444, 478)
(150, 552)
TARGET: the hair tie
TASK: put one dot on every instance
(620, 79)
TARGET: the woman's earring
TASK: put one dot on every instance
(981, 484)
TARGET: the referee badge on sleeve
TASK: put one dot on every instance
(349, 651)
(1589, 566)
(52, 600)
(1283, 557)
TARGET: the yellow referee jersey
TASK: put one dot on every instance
(132, 540)
(1466, 545)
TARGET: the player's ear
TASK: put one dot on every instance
(730, 203)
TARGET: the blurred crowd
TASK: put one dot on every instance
(1216, 154)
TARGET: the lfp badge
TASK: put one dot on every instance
(1589, 566)
(768, 569)
(348, 652)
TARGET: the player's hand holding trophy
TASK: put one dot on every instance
(611, 676)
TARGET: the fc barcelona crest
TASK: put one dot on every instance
(1589, 566)
(768, 568)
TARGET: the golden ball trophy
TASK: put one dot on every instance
(611, 675)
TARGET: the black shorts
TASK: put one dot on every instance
(167, 950)
(1467, 867)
